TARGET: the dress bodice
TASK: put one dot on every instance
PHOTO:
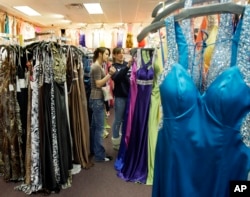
(223, 98)
(145, 72)
(200, 146)
(178, 92)
(227, 100)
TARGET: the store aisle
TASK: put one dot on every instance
(98, 181)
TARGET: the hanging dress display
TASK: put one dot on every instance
(48, 154)
(154, 117)
(135, 162)
(11, 155)
(56, 154)
(126, 127)
(132, 98)
(78, 111)
(203, 142)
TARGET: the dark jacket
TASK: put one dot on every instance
(121, 80)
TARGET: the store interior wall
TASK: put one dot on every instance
(106, 32)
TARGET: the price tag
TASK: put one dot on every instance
(17, 85)
(22, 83)
(11, 87)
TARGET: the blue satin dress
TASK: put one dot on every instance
(203, 142)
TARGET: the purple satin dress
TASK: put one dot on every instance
(135, 161)
(126, 127)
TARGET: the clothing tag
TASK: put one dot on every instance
(17, 85)
(27, 79)
(22, 83)
(11, 87)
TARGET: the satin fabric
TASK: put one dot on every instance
(126, 127)
(135, 161)
(133, 96)
(78, 114)
(53, 178)
(154, 118)
(200, 147)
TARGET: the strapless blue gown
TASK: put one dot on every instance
(203, 142)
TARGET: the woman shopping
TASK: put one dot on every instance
(98, 80)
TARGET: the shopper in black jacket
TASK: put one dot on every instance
(121, 80)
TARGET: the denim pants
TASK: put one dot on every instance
(120, 105)
(96, 128)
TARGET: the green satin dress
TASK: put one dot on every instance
(154, 117)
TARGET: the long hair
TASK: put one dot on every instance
(97, 51)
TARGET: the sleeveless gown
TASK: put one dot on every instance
(203, 142)
(154, 117)
(126, 127)
(135, 161)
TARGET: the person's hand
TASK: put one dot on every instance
(112, 70)
(107, 113)
(130, 62)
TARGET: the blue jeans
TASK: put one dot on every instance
(96, 128)
(120, 105)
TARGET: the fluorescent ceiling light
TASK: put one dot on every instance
(93, 8)
(27, 10)
(57, 16)
(65, 21)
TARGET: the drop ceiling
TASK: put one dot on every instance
(115, 11)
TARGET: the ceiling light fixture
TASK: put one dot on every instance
(93, 8)
(27, 10)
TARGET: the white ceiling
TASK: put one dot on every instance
(115, 12)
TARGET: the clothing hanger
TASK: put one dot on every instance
(171, 8)
(77, 50)
(194, 12)
(133, 51)
(160, 6)
(218, 8)
(30, 47)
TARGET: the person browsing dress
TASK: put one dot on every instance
(98, 80)
(121, 80)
